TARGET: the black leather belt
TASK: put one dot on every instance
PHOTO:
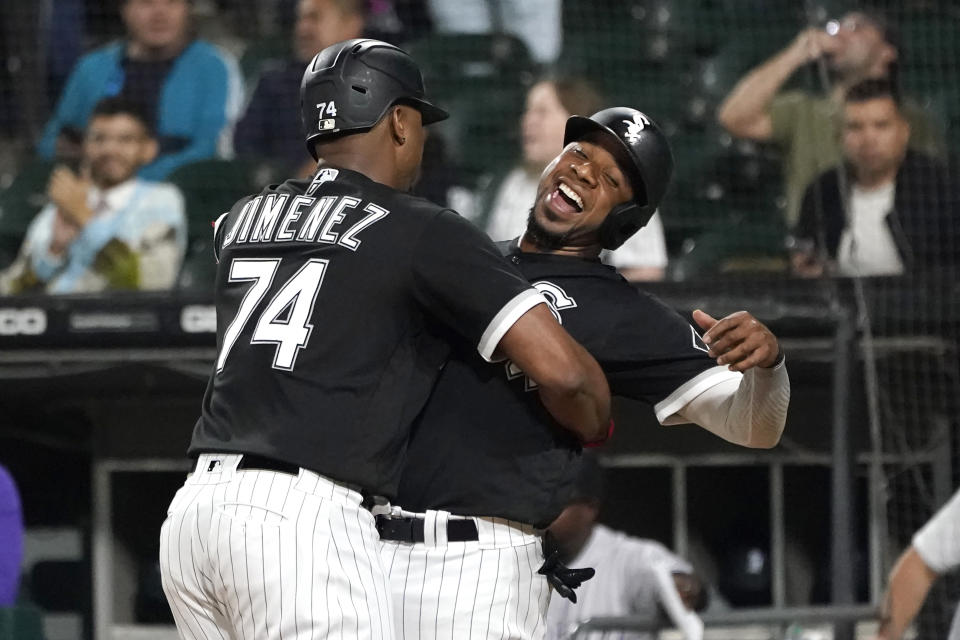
(411, 529)
(251, 461)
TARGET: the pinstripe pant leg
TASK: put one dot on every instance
(459, 590)
(185, 572)
(265, 556)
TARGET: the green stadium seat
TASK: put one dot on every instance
(210, 187)
(733, 248)
(199, 265)
(261, 53)
(481, 79)
(19, 204)
(21, 622)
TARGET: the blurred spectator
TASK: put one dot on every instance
(104, 228)
(898, 210)
(805, 125)
(536, 22)
(634, 577)
(189, 89)
(935, 551)
(11, 539)
(270, 129)
(549, 103)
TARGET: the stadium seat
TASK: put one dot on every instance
(199, 265)
(711, 79)
(734, 247)
(19, 204)
(210, 187)
(259, 54)
(481, 79)
(21, 622)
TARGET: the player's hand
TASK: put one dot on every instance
(739, 340)
(811, 44)
(806, 264)
(563, 579)
(69, 193)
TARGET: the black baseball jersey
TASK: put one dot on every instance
(325, 291)
(485, 446)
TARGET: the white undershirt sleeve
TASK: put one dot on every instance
(748, 409)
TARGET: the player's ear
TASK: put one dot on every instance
(398, 125)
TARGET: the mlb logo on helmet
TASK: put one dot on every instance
(327, 124)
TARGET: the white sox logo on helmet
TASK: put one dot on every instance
(635, 126)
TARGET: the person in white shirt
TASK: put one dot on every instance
(935, 550)
(887, 211)
(549, 103)
(104, 228)
(634, 577)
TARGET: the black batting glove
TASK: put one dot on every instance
(562, 578)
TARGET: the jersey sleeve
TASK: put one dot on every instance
(938, 541)
(460, 278)
(653, 355)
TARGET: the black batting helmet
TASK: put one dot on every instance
(650, 166)
(349, 86)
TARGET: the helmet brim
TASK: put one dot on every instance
(428, 112)
(578, 127)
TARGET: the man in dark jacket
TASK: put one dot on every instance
(887, 211)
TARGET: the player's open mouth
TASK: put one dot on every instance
(563, 199)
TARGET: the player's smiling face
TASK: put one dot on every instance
(579, 188)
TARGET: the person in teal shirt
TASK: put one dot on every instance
(191, 90)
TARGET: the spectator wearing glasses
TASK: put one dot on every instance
(804, 125)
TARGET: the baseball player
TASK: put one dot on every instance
(331, 294)
(634, 577)
(487, 468)
(935, 550)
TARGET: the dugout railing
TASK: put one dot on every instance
(777, 623)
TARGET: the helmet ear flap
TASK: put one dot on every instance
(623, 221)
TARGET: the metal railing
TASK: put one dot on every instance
(777, 618)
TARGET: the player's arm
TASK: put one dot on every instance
(571, 384)
(910, 580)
(682, 615)
(752, 410)
(462, 279)
(745, 112)
(935, 550)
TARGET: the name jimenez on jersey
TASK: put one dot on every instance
(270, 218)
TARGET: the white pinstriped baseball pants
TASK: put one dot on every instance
(262, 555)
(488, 589)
